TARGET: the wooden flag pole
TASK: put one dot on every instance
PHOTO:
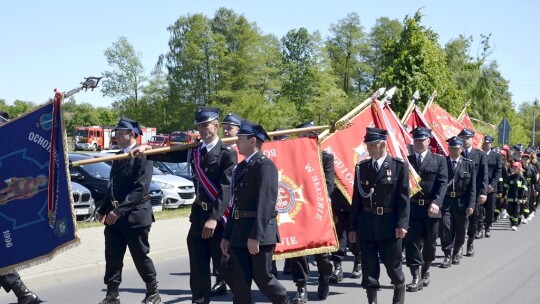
(408, 112)
(228, 140)
(430, 101)
(467, 104)
(343, 120)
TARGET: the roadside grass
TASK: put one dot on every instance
(166, 214)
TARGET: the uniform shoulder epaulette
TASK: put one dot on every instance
(364, 160)
(398, 159)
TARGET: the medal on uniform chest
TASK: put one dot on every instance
(389, 174)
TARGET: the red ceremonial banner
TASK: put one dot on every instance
(348, 148)
(303, 205)
(398, 139)
(417, 119)
(478, 138)
(444, 124)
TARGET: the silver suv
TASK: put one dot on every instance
(83, 203)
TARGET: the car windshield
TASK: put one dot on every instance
(178, 168)
(157, 172)
(157, 138)
(182, 137)
(83, 133)
(98, 170)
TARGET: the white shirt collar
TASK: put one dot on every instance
(469, 150)
(128, 149)
(210, 145)
(456, 160)
(380, 161)
(423, 154)
(249, 157)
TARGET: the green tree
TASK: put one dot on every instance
(126, 81)
(419, 64)
(347, 48)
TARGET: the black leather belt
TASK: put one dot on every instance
(204, 205)
(421, 201)
(455, 194)
(240, 214)
(378, 210)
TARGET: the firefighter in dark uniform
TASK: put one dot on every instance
(341, 209)
(530, 174)
(380, 215)
(127, 213)
(421, 240)
(212, 164)
(13, 281)
(459, 202)
(299, 266)
(494, 161)
(230, 124)
(251, 232)
(476, 220)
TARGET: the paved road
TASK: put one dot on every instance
(504, 270)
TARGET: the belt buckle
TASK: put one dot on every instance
(380, 211)
(420, 202)
(236, 215)
(452, 194)
(204, 206)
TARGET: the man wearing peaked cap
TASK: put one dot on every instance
(299, 266)
(212, 164)
(476, 220)
(459, 202)
(127, 213)
(129, 124)
(231, 124)
(380, 214)
(206, 114)
(495, 167)
(421, 240)
(251, 232)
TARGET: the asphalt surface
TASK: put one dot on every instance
(505, 269)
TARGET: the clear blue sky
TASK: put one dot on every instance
(49, 44)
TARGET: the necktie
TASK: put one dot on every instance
(419, 160)
(465, 153)
(203, 153)
(454, 164)
(376, 165)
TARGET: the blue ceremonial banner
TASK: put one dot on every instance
(36, 218)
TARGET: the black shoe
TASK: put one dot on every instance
(111, 299)
(219, 289)
(301, 296)
(24, 295)
(479, 235)
(337, 275)
(470, 250)
(416, 284)
(152, 298)
(323, 289)
(426, 279)
(487, 234)
(447, 262)
(356, 271)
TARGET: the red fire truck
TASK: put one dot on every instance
(92, 138)
(184, 137)
(160, 140)
(148, 133)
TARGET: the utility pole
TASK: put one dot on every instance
(534, 120)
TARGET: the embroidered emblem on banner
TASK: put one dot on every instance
(290, 199)
(360, 153)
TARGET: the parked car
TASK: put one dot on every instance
(95, 177)
(178, 169)
(177, 191)
(83, 203)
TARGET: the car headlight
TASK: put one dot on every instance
(164, 185)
